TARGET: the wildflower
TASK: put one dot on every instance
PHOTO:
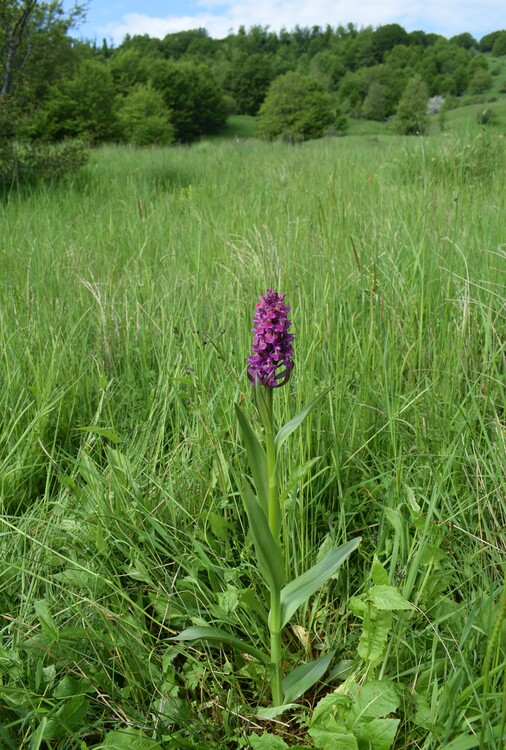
(271, 362)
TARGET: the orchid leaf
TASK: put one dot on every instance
(272, 712)
(221, 637)
(300, 589)
(256, 458)
(270, 560)
(292, 425)
(301, 679)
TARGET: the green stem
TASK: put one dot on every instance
(265, 407)
(274, 513)
(274, 627)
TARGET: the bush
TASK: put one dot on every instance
(411, 117)
(144, 118)
(480, 82)
(23, 164)
(297, 108)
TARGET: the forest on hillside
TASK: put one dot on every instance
(177, 89)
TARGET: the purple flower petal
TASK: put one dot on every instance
(271, 362)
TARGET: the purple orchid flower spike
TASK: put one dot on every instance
(271, 363)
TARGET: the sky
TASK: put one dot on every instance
(157, 18)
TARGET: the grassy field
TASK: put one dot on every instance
(127, 301)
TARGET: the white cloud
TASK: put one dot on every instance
(219, 17)
(137, 23)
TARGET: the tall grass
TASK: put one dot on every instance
(127, 298)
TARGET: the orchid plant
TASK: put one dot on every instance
(269, 367)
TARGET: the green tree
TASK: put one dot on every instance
(33, 44)
(499, 48)
(386, 37)
(374, 106)
(487, 42)
(327, 68)
(411, 117)
(80, 107)
(480, 82)
(248, 81)
(465, 40)
(196, 102)
(194, 43)
(129, 67)
(144, 118)
(356, 86)
(296, 107)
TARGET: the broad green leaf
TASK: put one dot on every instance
(374, 637)
(292, 425)
(373, 700)
(301, 679)
(270, 560)
(256, 458)
(333, 736)
(334, 705)
(217, 636)
(69, 687)
(378, 734)
(387, 598)
(46, 620)
(267, 741)
(272, 712)
(69, 718)
(300, 589)
(378, 573)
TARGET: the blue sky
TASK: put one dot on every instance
(112, 20)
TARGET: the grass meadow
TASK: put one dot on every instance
(127, 297)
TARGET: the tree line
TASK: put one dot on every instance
(177, 89)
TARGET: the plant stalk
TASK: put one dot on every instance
(265, 404)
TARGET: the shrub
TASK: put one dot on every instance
(480, 82)
(297, 108)
(144, 118)
(411, 118)
(23, 164)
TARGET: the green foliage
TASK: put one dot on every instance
(195, 100)
(410, 117)
(374, 106)
(465, 40)
(487, 42)
(123, 310)
(30, 163)
(356, 717)
(375, 609)
(82, 106)
(386, 37)
(248, 81)
(130, 69)
(480, 82)
(296, 107)
(34, 46)
(144, 119)
(499, 47)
